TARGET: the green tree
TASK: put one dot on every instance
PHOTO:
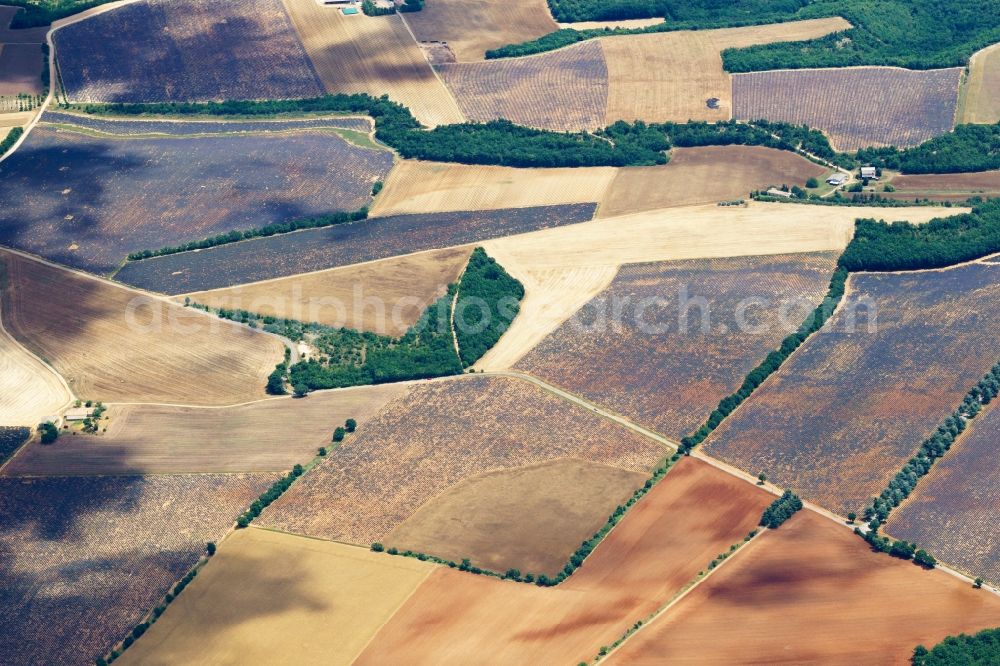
(761, 479)
(350, 425)
(338, 434)
(978, 584)
(49, 432)
(210, 548)
(812, 183)
(301, 390)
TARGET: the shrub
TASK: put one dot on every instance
(338, 434)
(49, 432)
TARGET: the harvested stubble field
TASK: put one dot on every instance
(279, 598)
(562, 269)
(854, 402)
(164, 50)
(124, 126)
(419, 447)
(955, 511)
(117, 345)
(706, 174)
(29, 391)
(20, 69)
(472, 27)
(385, 297)
(475, 515)
(856, 107)
(415, 186)
(272, 435)
(671, 75)
(88, 201)
(812, 592)
(372, 54)
(87, 557)
(566, 89)
(980, 100)
(341, 245)
(694, 514)
(666, 341)
(946, 186)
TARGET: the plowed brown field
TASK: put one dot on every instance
(811, 592)
(118, 345)
(277, 598)
(946, 186)
(272, 435)
(471, 27)
(372, 54)
(384, 297)
(695, 513)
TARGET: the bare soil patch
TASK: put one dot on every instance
(530, 518)
(118, 345)
(812, 592)
(20, 69)
(276, 598)
(384, 297)
(695, 513)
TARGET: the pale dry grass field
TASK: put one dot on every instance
(274, 598)
(266, 436)
(706, 174)
(621, 23)
(564, 268)
(384, 297)
(29, 391)
(471, 27)
(433, 187)
(670, 76)
(981, 97)
(119, 345)
(372, 54)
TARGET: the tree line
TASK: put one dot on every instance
(780, 510)
(13, 136)
(967, 148)
(981, 649)
(488, 300)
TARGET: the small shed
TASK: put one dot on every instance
(869, 173)
(837, 180)
(775, 192)
(78, 414)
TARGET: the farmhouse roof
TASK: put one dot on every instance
(78, 414)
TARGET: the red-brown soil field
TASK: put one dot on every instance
(566, 89)
(955, 511)
(471, 27)
(811, 592)
(946, 186)
(88, 194)
(20, 69)
(443, 433)
(640, 347)
(384, 297)
(118, 345)
(856, 106)
(852, 405)
(84, 559)
(694, 514)
(163, 50)
(271, 435)
(484, 515)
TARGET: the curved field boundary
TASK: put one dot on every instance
(857, 107)
(342, 245)
(29, 389)
(561, 90)
(980, 96)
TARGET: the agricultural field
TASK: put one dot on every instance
(19, 36)
(11, 439)
(88, 200)
(856, 107)
(341, 245)
(457, 618)
(666, 341)
(811, 592)
(955, 511)
(87, 557)
(854, 402)
(672, 75)
(472, 27)
(118, 345)
(475, 515)
(946, 186)
(416, 186)
(566, 89)
(20, 69)
(124, 126)
(371, 54)
(267, 436)
(418, 447)
(707, 174)
(29, 391)
(168, 51)
(979, 101)
(385, 297)
(317, 600)
(563, 269)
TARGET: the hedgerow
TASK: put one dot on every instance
(488, 299)
(780, 510)
(981, 649)
(12, 137)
